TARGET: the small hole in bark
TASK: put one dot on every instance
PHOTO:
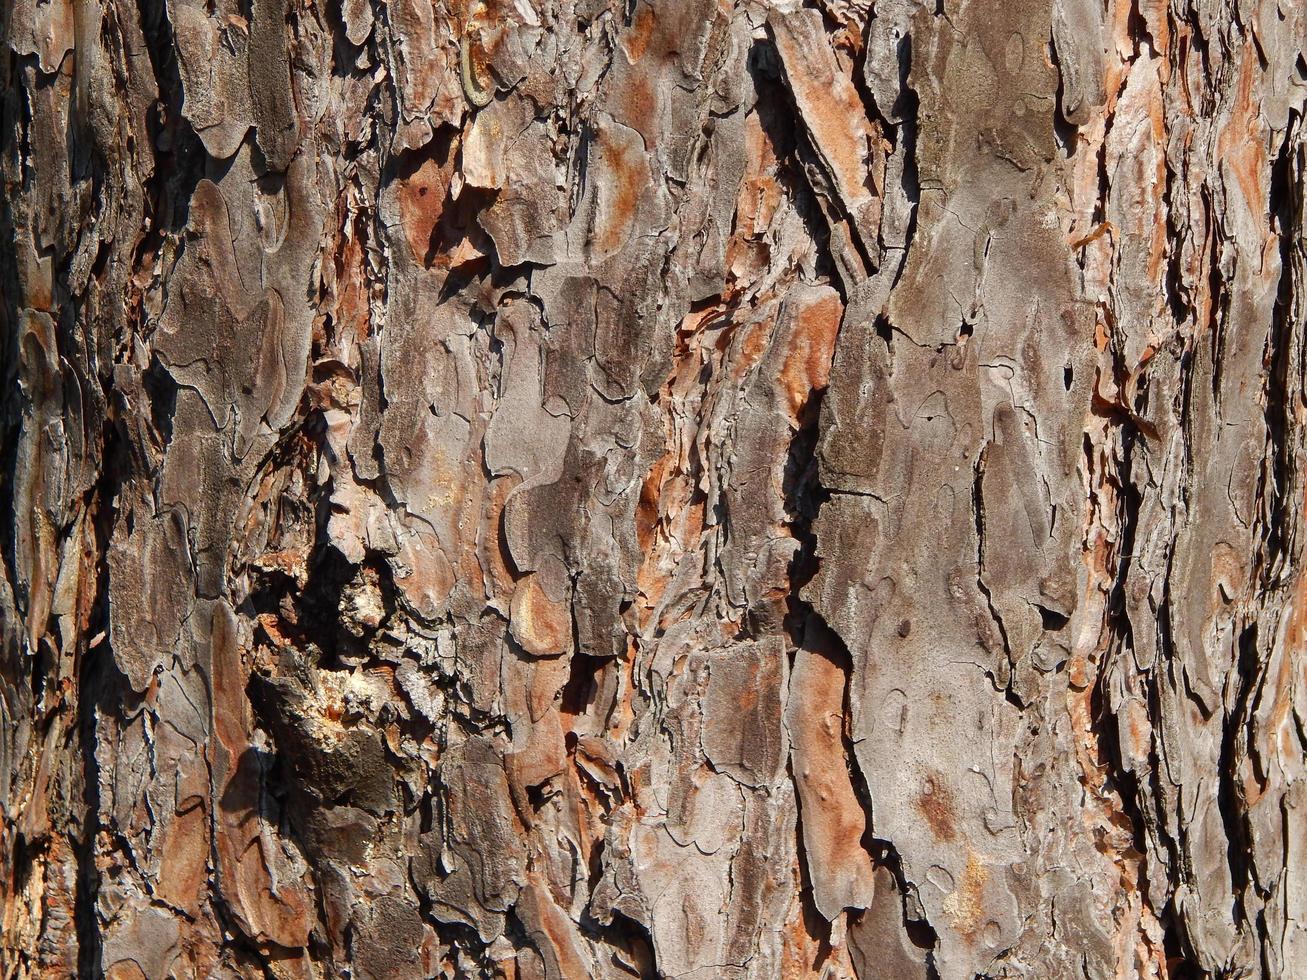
(884, 331)
(1068, 376)
(582, 682)
(161, 389)
(1052, 621)
(538, 795)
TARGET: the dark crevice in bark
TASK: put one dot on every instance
(10, 427)
(18, 124)
(634, 939)
(1220, 303)
(904, 135)
(1065, 132)
(578, 692)
(343, 51)
(1107, 725)
(14, 124)
(458, 936)
(1276, 483)
(161, 389)
(885, 331)
(783, 125)
(978, 517)
(918, 929)
(1179, 301)
(803, 492)
(804, 497)
(1177, 862)
(1178, 946)
(97, 684)
(240, 947)
(1229, 794)
(886, 855)
(1119, 779)
(179, 156)
(813, 921)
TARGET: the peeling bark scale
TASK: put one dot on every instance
(653, 488)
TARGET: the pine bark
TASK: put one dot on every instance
(687, 488)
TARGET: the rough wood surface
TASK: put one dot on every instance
(690, 488)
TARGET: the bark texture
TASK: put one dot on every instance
(685, 488)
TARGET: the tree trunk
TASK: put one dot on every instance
(677, 488)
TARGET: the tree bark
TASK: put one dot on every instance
(685, 488)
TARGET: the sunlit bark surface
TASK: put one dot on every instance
(692, 488)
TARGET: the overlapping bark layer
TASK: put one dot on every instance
(684, 488)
